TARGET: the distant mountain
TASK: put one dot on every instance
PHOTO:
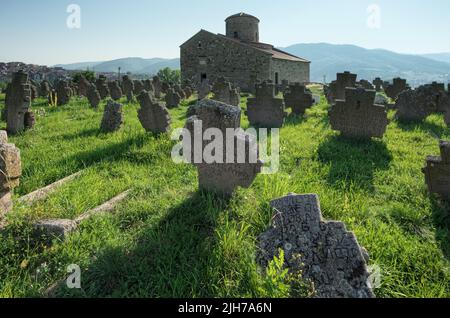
(135, 65)
(329, 59)
(442, 57)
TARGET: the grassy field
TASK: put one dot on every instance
(169, 240)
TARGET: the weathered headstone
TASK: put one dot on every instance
(153, 115)
(17, 103)
(93, 96)
(128, 88)
(440, 96)
(336, 89)
(224, 92)
(188, 91)
(158, 86)
(172, 98)
(357, 116)
(102, 86)
(138, 87)
(204, 90)
(63, 92)
(378, 83)
(115, 90)
(148, 86)
(165, 87)
(44, 89)
(325, 252)
(437, 171)
(83, 86)
(266, 110)
(11, 170)
(34, 91)
(421, 102)
(365, 84)
(398, 86)
(298, 98)
(112, 117)
(223, 175)
(179, 91)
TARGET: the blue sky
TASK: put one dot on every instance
(35, 31)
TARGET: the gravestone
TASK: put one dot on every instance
(417, 104)
(179, 90)
(365, 84)
(158, 86)
(225, 175)
(63, 92)
(128, 88)
(165, 87)
(11, 170)
(115, 90)
(138, 87)
(325, 252)
(336, 89)
(204, 90)
(83, 86)
(148, 86)
(44, 89)
(17, 103)
(298, 98)
(266, 110)
(172, 98)
(437, 171)
(102, 86)
(378, 83)
(398, 86)
(34, 91)
(112, 117)
(188, 92)
(153, 115)
(440, 96)
(224, 92)
(93, 96)
(357, 116)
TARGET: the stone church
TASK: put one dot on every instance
(239, 57)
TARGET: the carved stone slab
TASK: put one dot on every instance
(17, 102)
(204, 90)
(172, 98)
(115, 90)
(224, 92)
(128, 88)
(299, 98)
(112, 117)
(93, 96)
(336, 89)
(266, 110)
(357, 116)
(437, 171)
(102, 86)
(326, 253)
(398, 86)
(158, 86)
(154, 116)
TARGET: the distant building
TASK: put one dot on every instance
(239, 57)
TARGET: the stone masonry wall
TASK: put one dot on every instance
(289, 70)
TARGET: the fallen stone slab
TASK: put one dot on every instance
(61, 228)
(43, 193)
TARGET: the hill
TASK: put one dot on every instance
(328, 59)
(442, 57)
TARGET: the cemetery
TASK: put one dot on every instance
(358, 208)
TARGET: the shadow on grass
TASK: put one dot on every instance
(293, 119)
(170, 258)
(436, 130)
(354, 161)
(441, 220)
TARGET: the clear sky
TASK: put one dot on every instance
(35, 31)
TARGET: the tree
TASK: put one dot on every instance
(170, 76)
(89, 75)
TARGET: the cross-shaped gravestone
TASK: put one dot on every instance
(437, 171)
(336, 89)
(237, 164)
(153, 115)
(393, 90)
(378, 84)
(266, 110)
(298, 98)
(224, 92)
(172, 98)
(323, 251)
(357, 116)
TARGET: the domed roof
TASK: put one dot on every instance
(240, 15)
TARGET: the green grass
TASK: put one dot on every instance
(169, 240)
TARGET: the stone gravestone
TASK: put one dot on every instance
(138, 87)
(224, 92)
(83, 86)
(393, 90)
(44, 89)
(112, 117)
(153, 115)
(128, 88)
(223, 177)
(298, 98)
(34, 91)
(188, 92)
(148, 86)
(357, 116)
(324, 251)
(93, 96)
(63, 92)
(17, 104)
(437, 171)
(336, 90)
(180, 91)
(158, 86)
(102, 86)
(11, 170)
(417, 104)
(204, 90)
(115, 90)
(266, 110)
(172, 98)
(365, 84)
(440, 96)
(378, 83)
(165, 87)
